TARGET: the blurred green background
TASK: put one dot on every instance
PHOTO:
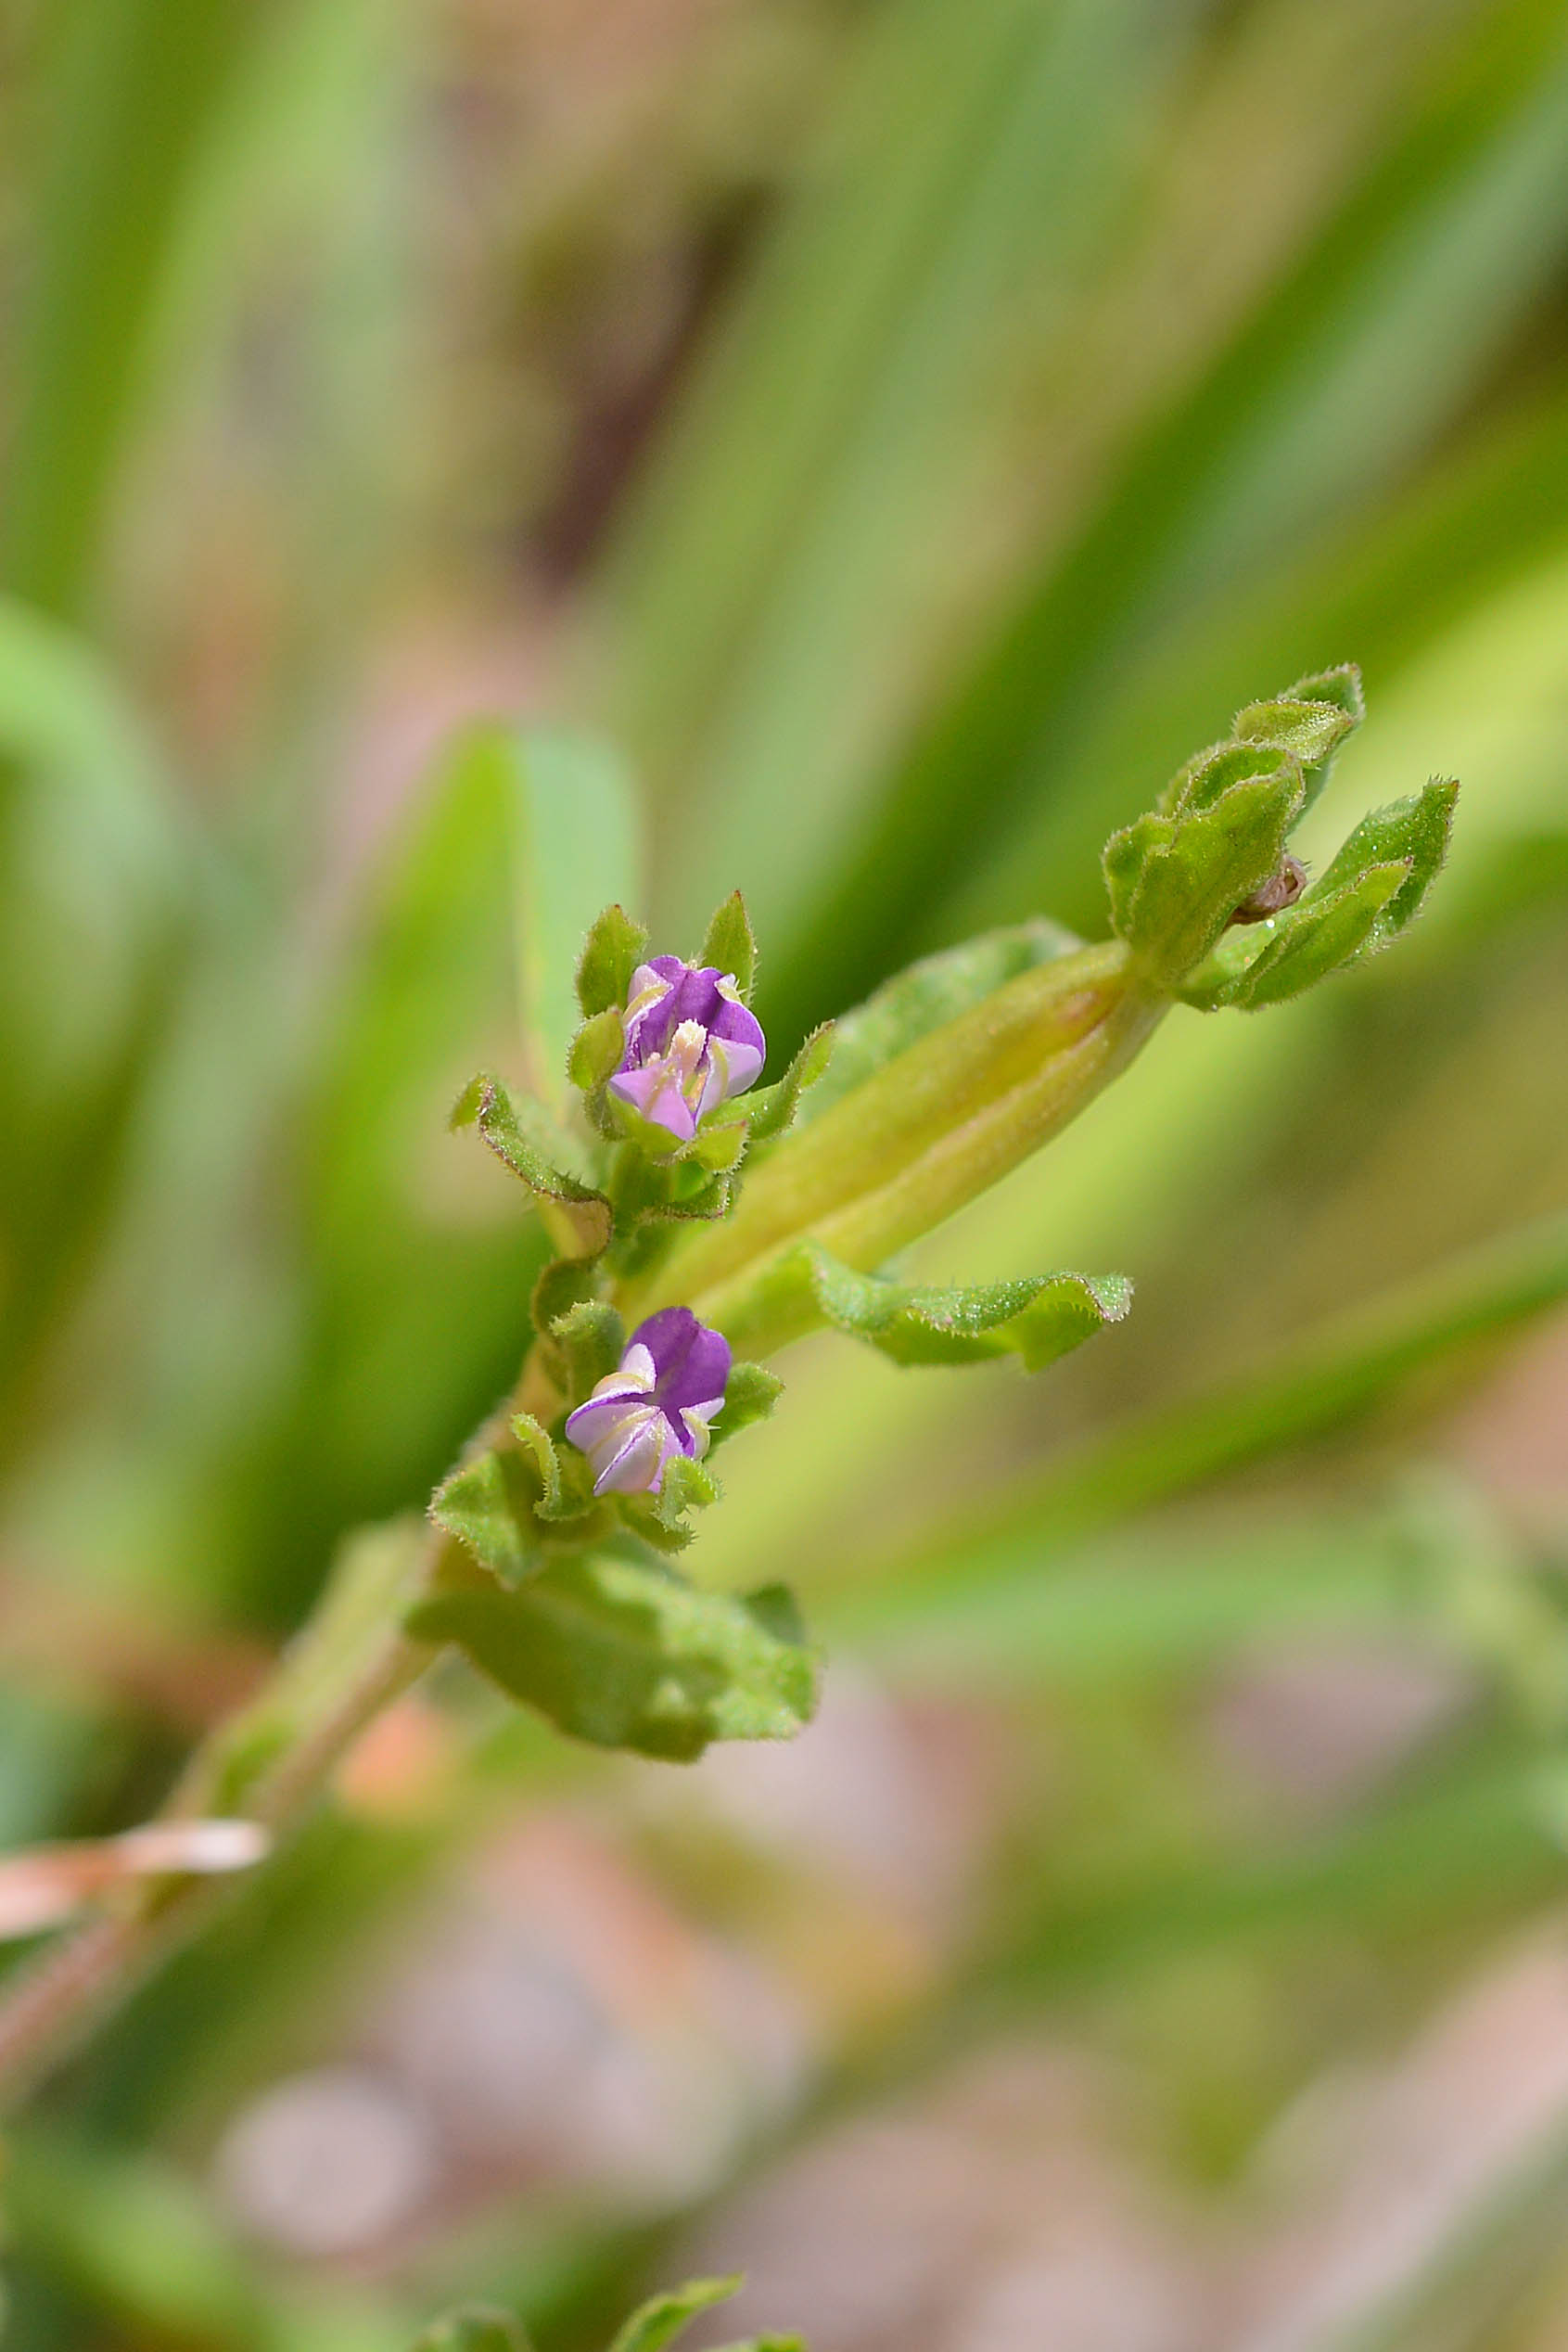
(906, 429)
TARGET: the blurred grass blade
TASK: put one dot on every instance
(135, 82)
(576, 851)
(95, 879)
(1335, 383)
(762, 590)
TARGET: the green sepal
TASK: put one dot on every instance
(750, 1394)
(487, 1504)
(614, 948)
(771, 1111)
(665, 1519)
(565, 1283)
(720, 1143)
(474, 2327)
(589, 1339)
(518, 1133)
(565, 1480)
(627, 1653)
(729, 947)
(1037, 1319)
(597, 1050)
(922, 998)
(1175, 881)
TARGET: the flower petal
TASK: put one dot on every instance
(692, 1362)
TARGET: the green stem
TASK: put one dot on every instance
(268, 1763)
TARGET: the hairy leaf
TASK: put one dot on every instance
(517, 1135)
(624, 1653)
(1037, 1319)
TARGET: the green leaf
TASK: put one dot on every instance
(518, 1135)
(665, 1519)
(921, 997)
(750, 1395)
(1211, 771)
(1325, 934)
(592, 1340)
(488, 1503)
(474, 2327)
(657, 2322)
(1037, 1319)
(774, 1109)
(1175, 881)
(729, 944)
(1373, 888)
(1415, 830)
(1310, 720)
(614, 948)
(625, 1652)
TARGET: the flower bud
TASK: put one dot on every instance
(658, 1403)
(691, 1044)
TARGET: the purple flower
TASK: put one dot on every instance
(690, 1044)
(659, 1404)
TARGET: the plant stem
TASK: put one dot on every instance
(268, 1763)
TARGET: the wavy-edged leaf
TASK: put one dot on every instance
(624, 1653)
(517, 1135)
(487, 1504)
(1038, 1319)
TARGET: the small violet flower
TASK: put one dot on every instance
(669, 1385)
(690, 1044)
